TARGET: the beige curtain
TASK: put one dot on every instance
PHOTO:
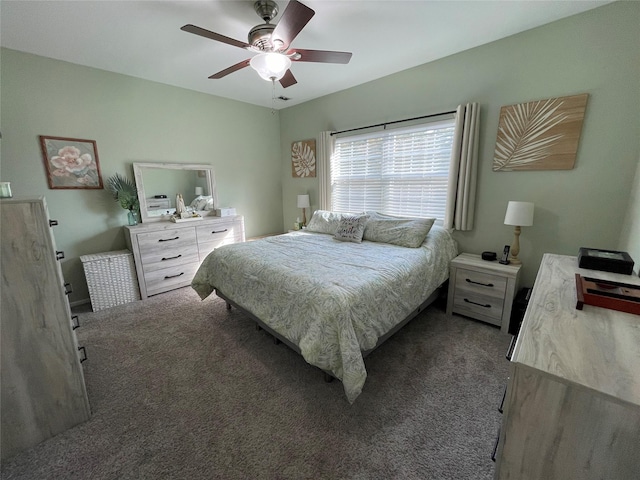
(323, 165)
(461, 193)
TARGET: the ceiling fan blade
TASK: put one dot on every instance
(288, 79)
(293, 20)
(233, 68)
(214, 36)
(321, 56)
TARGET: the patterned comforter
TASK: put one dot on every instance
(333, 299)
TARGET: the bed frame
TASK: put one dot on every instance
(328, 376)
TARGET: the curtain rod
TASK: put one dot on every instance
(395, 121)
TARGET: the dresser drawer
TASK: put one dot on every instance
(160, 250)
(211, 237)
(166, 279)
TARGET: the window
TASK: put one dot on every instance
(403, 171)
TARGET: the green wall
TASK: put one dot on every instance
(597, 52)
(131, 120)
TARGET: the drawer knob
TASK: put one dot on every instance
(479, 283)
(173, 276)
(59, 255)
(168, 239)
(171, 258)
(484, 305)
(75, 322)
(53, 223)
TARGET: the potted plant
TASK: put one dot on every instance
(125, 193)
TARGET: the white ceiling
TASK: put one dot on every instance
(143, 38)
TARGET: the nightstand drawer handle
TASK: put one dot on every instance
(484, 305)
(480, 283)
(168, 239)
(171, 258)
(173, 276)
(220, 231)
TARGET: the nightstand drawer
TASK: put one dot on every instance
(480, 307)
(480, 284)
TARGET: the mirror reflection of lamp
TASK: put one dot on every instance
(303, 203)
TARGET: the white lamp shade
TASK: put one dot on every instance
(519, 214)
(199, 191)
(270, 66)
(303, 201)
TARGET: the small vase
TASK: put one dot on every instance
(133, 217)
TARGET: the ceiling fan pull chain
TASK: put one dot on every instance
(273, 96)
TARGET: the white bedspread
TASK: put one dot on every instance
(333, 299)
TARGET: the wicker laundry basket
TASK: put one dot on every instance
(111, 278)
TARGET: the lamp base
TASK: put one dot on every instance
(514, 261)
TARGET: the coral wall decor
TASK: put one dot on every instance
(303, 159)
(540, 135)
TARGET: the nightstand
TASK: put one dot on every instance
(482, 290)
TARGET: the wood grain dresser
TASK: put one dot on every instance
(42, 389)
(168, 254)
(572, 408)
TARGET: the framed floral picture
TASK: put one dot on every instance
(303, 159)
(71, 163)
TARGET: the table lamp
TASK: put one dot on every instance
(519, 214)
(303, 203)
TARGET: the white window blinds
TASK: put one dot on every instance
(403, 171)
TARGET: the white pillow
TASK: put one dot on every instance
(351, 228)
(403, 231)
(324, 221)
(202, 202)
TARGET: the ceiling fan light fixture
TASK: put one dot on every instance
(271, 66)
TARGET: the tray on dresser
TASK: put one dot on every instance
(623, 297)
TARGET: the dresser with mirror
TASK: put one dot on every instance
(168, 249)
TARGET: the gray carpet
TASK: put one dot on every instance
(181, 388)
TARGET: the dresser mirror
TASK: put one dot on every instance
(158, 184)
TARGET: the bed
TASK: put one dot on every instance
(332, 301)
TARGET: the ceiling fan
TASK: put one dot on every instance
(272, 43)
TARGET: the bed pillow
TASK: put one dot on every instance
(351, 228)
(202, 203)
(402, 231)
(324, 221)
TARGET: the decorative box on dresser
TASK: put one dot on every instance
(168, 254)
(42, 388)
(572, 408)
(482, 289)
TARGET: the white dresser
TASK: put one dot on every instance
(168, 254)
(572, 407)
(42, 388)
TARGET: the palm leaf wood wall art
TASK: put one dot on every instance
(540, 135)
(303, 159)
